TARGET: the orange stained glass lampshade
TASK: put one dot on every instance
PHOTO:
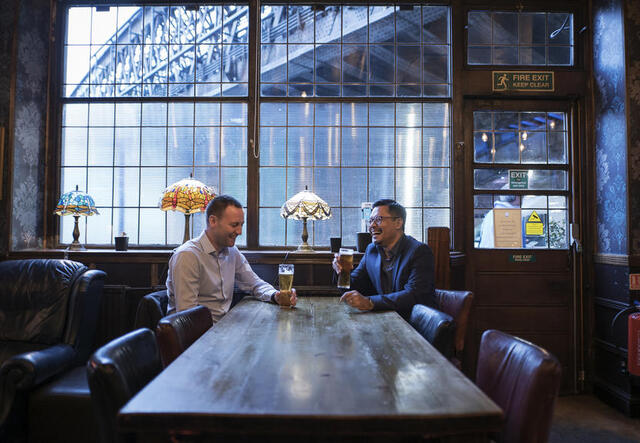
(188, 196)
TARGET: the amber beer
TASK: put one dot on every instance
(345, 258)
(285, 276)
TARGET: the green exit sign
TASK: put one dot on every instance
(518, 179)
(522, 81)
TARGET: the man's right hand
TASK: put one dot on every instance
(336, 263)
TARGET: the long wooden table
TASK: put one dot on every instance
(322, 371)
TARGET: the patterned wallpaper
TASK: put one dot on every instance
(610, 127)
(29, 130)
(632, 42)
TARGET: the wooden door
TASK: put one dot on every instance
(520, 190)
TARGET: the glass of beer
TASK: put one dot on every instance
(345, 258)
(285, 276)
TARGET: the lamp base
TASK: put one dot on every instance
(76, 247)
(304, 247)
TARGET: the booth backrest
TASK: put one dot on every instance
(35, 296)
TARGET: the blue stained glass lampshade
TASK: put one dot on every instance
(76, 203)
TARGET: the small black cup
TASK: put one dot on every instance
(364, 238)
(122, 243)
(336, 243)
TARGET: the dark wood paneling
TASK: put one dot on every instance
(531, 289)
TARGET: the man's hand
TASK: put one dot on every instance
(357, 300)
(336, 263)
(286, 298)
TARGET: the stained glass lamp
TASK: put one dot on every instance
(188, 196)
(305, 205)
(76, 203)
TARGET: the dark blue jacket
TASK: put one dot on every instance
(412, 277)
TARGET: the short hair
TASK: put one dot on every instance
(219, 204)
(395, 209)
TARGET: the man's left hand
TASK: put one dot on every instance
(357, 300)
(286, 298)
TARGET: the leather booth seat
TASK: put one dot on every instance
(48, 315)
(176, 332)
(436, 327)
(458, 305)
(151, 308)
(523, 379)
(117, 371)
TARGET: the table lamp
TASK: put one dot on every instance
(189, 196)
(76, 203)
(302, 206)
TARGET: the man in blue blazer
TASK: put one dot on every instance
(396, 271)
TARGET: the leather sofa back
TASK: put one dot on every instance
(151, 309)
(35, 296)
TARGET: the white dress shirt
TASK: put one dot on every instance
(200, 275)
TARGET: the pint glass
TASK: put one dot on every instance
(285, 277)
(345, 258)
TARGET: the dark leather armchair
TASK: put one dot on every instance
(48, 314)
(523, 379)
(151, 309)
(436, 327)
(176, 332)
(117, 371)
(458, 305)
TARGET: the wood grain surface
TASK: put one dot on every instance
(321, 370)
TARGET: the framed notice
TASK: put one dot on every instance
(507, 228)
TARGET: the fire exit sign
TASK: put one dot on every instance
(522, 81)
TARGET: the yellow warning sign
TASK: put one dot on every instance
(534, 225)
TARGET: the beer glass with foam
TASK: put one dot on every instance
(285, 276)
(345, 258)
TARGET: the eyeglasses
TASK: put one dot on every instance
(378, 219)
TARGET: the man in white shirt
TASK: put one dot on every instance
(204, 270)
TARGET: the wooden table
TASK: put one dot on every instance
(322, 371)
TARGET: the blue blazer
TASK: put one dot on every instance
(412, 278)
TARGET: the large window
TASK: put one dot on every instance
(352, 101)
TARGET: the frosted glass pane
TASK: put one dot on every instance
(128, 114)
(300, 146)
(300, 114)
(154, 114)
(354, 146)
(297, 179)
(273, 114)
(409, 186)
(97, 229)
(234, 182)
(273, 142)
(74, 146)
(126, 220)
(72, 177)
(180, 146)
(325, 180)
(380, 183)
(127, 147)
(101, 114)
(234, 146)
(413, 224)
(234, 114)
(209, 176)
(75, 114)
(354, 186)
(355, 114)
(271, 227)
(152, 185)
(180, 114)
(207, 146)
(100, 146)
(272, 187)
(152, 226)
(327, 146)
(381, 146)
(408, 147)
(126, 187)
(436, 187)
(207, 114)
(436, 146)
(382, 114)
(100, 185)
(154, 147)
